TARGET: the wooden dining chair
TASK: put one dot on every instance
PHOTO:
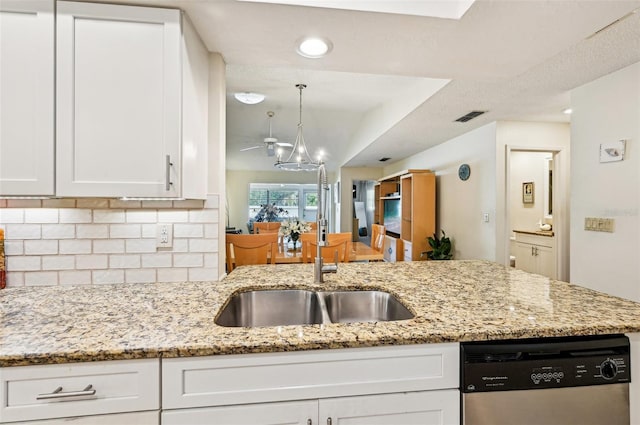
(266, 226)
(377, 237)
(251, 249)
(339, 243)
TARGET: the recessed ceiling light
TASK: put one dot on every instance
(314, 47)
(249, 98)
(567, 111)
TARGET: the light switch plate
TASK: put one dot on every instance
(164, 235)
(596, 224)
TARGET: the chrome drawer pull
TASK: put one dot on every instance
(57, 393)
(167, 175)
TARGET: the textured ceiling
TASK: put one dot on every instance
(374, 95)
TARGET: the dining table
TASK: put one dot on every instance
(359, 252)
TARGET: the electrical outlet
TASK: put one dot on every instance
(164, 235)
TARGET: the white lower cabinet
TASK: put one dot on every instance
(136, 418)
(79, 390)
(425, 408)
(379, 385)
(536, 254)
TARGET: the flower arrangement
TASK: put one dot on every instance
(269, 212)
(293, 229)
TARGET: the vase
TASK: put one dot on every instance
(294, 238)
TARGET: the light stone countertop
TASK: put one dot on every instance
(452, 301)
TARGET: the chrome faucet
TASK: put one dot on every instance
(323, 228)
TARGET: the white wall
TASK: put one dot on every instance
(460, 204)
(606, 110)
(527, 167)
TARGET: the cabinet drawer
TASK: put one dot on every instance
(257, 378)
(535, 239)
(62, 390)
(137, 418)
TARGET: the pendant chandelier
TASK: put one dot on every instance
(299, 159)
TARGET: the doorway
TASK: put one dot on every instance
(536, 193)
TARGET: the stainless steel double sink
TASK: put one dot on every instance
(280, 307)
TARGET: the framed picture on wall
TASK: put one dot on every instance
(527, 193)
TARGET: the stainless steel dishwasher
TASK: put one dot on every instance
(545, 381)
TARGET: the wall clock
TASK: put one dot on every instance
(464, 172)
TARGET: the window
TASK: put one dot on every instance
(299, 200)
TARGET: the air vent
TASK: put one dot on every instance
(384, 159)
(471, 115)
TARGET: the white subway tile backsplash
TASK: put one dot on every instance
(172, 216)
(40, 247)
(108, 246)
(92, 231)
(140, 276)
(75, 246)
(95, 241)
(118, 203)
(189, 203)
(180, 245)
(141, 216)
(187, 260)
(140, 245)
(211, 230)
(126, 261)
(149, 230)
(202, 274)
(75, 215)
(92, 203)
(58, 203)
(203, 245)
(157, 204)
(157, 260)
(91, 262)
(58, 262)
(125, 231)
(41, 215)
(40, 278)
(108, 276)
(172, 275)
(203, 216)
(74, 277)
(17, 279)
(23, 231)
(11, 215)
(108, 216)
(24, 203)
(12, 247)
(24, 263)
(188, 230)
(58, 231)
(210, 260)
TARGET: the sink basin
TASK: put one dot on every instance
(271, 308)
(364, 306)
(280, 307)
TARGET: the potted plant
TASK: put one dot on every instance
(440, 247)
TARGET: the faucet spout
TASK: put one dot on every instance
(323, 224)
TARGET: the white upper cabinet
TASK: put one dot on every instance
(26, 97)
(120, 102)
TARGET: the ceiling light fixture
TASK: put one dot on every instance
(567, 111)
(249, 98)
(299, 159)
(314, 47)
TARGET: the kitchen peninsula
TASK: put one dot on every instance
(453, 301)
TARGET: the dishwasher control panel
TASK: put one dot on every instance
(544, 363)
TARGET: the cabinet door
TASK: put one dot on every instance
(525, 258)
(27, 101)
(546, 261)
(425, 408)
(289, 413)
(118, 100)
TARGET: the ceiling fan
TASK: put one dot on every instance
(270, 142)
